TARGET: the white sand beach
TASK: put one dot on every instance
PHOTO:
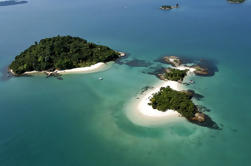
(89, 69)
(141, 113)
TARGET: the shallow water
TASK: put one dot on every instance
(81, 120)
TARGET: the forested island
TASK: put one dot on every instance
(60, 53)
(168, 98)
(169, 7)
(175, 74)
(11, 2)
(236, 1)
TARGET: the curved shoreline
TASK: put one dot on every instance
(89, 69)
(141, 113)
(100, 66)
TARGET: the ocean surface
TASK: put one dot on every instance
(81, 120)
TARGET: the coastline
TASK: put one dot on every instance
(100, 66)
(141, 113)
(89, 69)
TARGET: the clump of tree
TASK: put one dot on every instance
(168, 98)
(236, 1)
(61, 52)
(175, 74)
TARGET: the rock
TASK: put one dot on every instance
(200, 70)
(161, 77)
(173, 60)
(200, 117)
(122, 54)
(190, 93)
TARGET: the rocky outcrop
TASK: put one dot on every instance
(161, 77)
(200, 70)
(122, 54)
(173, 60)
(199, 117)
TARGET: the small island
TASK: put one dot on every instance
(169, 99)
(173, 74)
(12, 2)
(169, 7)
(176, 62)
(61, 53)
(236, 1)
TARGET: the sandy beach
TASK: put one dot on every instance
(89, 69)
(141, 113)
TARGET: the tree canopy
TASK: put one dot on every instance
(168, 98)
(175, 74)
(61, 52)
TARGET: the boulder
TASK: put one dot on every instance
(200, 70)
(200, 117)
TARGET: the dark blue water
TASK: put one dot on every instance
(80, 120)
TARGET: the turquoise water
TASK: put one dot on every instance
(81, 120)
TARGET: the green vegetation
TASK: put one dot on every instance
(61, 52)
(236, 1)
(168, 98)
(166, 7)
(175, 74)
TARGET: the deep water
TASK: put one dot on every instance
(81, 120)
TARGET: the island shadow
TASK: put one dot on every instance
(12, 2)
(134, 62)
(154, 70)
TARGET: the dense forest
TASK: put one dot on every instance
(61, 52)
(168, 98)
(175, 74)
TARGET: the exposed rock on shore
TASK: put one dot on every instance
(200, 70)
(173, 60)
(200, 117)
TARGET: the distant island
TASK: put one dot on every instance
(61, 53)
(169, 7)
(12, 2)
(236, 1)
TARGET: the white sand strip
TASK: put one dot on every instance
(141, 113)
(89, 69)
